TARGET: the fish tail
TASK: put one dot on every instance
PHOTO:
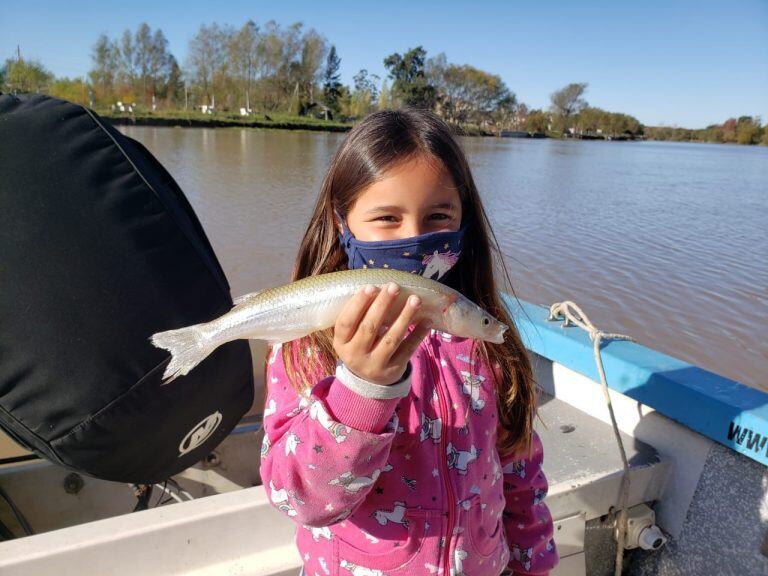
(188, 347)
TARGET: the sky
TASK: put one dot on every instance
(676, 63)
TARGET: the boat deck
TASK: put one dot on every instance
(239, 532)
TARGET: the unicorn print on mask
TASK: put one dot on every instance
(439, 263)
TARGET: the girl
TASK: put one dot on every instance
(396, 448)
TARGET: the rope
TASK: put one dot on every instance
(570, 313)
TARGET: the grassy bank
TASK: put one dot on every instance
(220, 120)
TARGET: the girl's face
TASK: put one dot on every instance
(414, 197)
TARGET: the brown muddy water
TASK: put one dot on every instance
(666, 242)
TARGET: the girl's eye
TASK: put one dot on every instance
(440, 215)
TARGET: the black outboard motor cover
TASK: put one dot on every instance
(100, 249)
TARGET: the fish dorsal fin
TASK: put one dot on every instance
(245, 299)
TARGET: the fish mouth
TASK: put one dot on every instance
(499, 338)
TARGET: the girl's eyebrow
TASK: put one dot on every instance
(392, 208)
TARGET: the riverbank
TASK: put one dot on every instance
(200, 120)
(195, 119)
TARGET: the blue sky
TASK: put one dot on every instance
(686, 63)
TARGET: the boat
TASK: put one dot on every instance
(696, 503)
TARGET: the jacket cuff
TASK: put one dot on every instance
(368, 389)
(364, 405)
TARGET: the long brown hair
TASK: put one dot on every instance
(373, 146)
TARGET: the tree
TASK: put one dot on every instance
(365, 95)
(245, 52)
(158, 64)
(175, 88)
(314, 49)
(271, 55)
(410, 85)
(331, 81)
(138, 65)
(537, 122)
(207, 59)
(467, 94)
(729, 130)
(384, 96)
(75, 90)
(105, 67)
(748, 130)
(127, 66)
(142, 45)
(567, 102)
(520, 117)
(23, 76)
(289, 74)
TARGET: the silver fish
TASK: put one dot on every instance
(295, 310)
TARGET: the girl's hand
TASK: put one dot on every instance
(370, 352)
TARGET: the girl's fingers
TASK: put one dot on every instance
(352, 312)
(368, 330)
(392, 338)
(408, 346)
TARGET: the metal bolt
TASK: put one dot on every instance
(212, 460)
(73, 483)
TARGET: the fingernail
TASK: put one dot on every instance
(414, 301)
(393, 288)
(369, 289)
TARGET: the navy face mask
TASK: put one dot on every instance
(431, 255)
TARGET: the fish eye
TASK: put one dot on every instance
(486, 321)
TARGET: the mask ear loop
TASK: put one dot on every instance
(343, 224)
(344, 237)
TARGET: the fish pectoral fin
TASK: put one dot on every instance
(245, 298)
(283, 338)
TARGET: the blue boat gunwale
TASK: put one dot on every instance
(719, 408)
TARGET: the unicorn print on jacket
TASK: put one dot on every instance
(460, 459)
(471, 387)
(354, 483)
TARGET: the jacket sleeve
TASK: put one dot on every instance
(527, 521)
(324, 449)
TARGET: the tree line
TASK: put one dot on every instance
(742, 130)
(270, 68)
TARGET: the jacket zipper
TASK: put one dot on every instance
(444, 462)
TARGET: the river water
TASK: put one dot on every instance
(666, 242)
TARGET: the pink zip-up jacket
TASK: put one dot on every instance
(392, 480)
